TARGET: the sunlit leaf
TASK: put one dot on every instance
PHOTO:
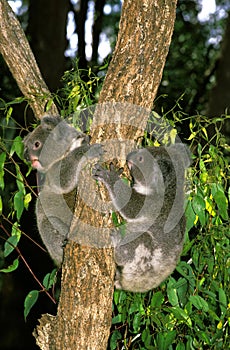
(11, 267)
(198, 205)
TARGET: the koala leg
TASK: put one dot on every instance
(53, 232)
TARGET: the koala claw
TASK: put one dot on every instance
(106, 175)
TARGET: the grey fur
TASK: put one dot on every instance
(58, 152)
(153, 209)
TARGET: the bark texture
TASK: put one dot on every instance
(17, 53)
(144, 37)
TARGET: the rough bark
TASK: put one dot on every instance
(16, 52)
(143, 42)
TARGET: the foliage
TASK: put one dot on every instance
(190, 310)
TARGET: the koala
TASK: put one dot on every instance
(148, 246)
(58, 152)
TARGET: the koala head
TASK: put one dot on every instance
(50, 141)
(155, 167)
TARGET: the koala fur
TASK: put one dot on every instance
(153, 209)
(58, 152)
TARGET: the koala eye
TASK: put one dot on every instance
(141, 159)
(37, 145)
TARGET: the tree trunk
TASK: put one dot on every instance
(85, 307)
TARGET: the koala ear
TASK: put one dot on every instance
(183, 152)
(49, 122)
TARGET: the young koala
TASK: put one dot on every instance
(58, 152)
(152, 242)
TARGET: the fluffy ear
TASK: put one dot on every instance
(183, 152)
(49, 122)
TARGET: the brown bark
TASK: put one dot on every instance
(143, 42)
(16, 52)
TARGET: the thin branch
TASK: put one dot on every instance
(28, 267)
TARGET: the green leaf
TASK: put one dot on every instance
(2, 162)
(27, 200)
(50, 279)
(8, 115)
(116, 335)
(1, 206)
(10, 245)
(19, 181)
(19, 204)
(11, 267)
(199, 303)
(115, 219)
(17, 147)
(172, 293)
(137, 322)
(198, 205)
(157, 299)
(117, 319)
(13, 240)
(164, 340)
(190, 216)
(29, 302)
(180, 346)
(223, 301)
(181, 315)
(222, 203)
(204, 337)
(49, 104)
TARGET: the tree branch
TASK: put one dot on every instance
(17, 53)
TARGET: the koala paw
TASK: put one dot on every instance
(108, 176)
(115, 237)
(95, 151)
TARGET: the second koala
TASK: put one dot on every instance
(58, 152)
(153, 208)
